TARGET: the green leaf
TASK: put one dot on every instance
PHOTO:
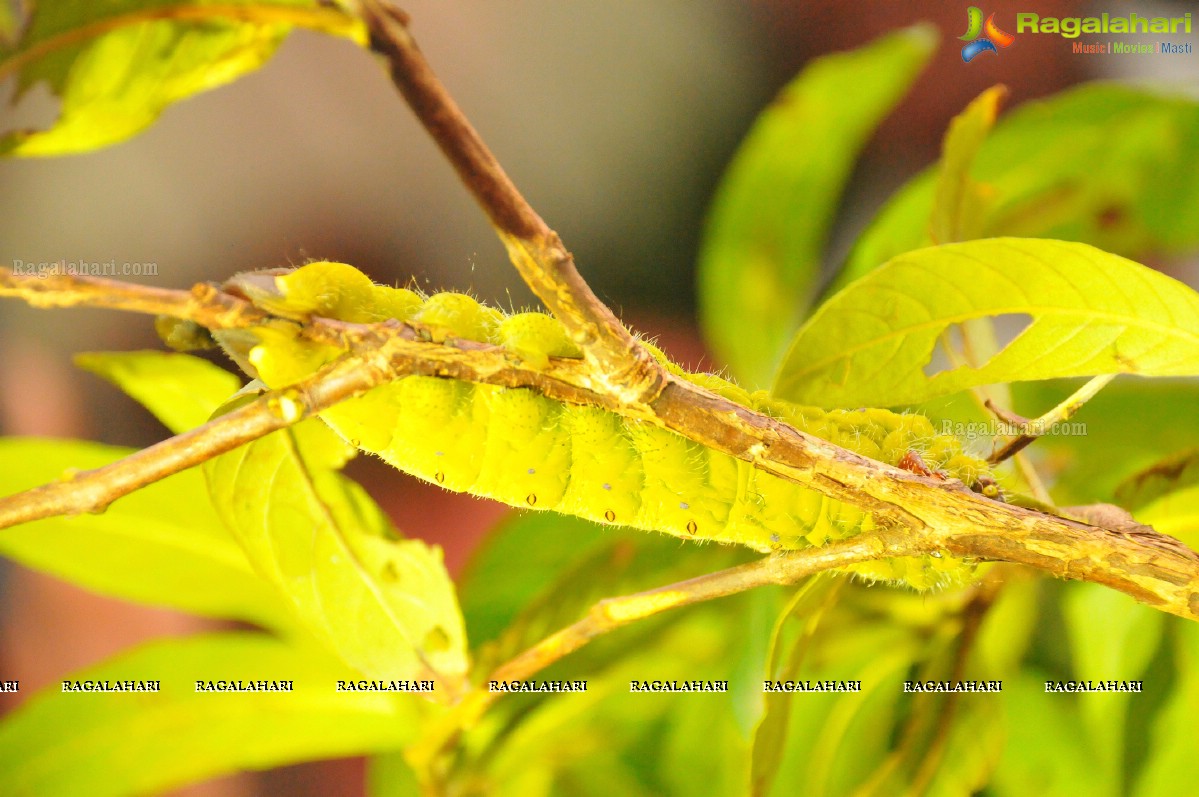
(181, 390)
(1048, 751)
(956, 216)
(1007, 629)
(606, 570)
(1128, 427)
(545, 543)
(161, 545)
(606, 741)
(116, 744)
(1173, 761)
(386, 605)
(972, 751)
(667, 742)
(958, 198)
(759, 263)
(1111, 637)
(550, 736)
(836, 740)
(566, 565)
(805, 610)
(118, 65)
(1176, 514)
(1091, 313)
(1107, 164)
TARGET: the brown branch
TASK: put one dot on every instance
(1151, 567)
(94, 490)
(623, 367)
(612, 613)
(204, 304)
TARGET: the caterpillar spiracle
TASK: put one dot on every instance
(523, 449)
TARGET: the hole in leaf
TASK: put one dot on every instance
(975, 342)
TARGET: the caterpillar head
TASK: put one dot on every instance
(330, 290)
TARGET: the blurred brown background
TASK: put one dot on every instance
(615, 117)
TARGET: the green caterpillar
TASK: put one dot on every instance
(519, 447)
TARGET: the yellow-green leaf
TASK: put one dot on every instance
(161, 545)
(1172, 758)
(804, 610)
(958, 199)
(1108, 164)
(118, 65)
(385, 604)
(958, 205)
(1047, 751)
(759, 264)
(182, 391)
(117, 744)
(1087, 312)
(546, 544)
(1111, 637)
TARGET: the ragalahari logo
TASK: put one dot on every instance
(982, 37)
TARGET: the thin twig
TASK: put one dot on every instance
(95, 490)
(1042, 425)
(204, 304)
(612, 613)
(628, 371)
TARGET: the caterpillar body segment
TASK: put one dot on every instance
(456, 315)
(519, 447)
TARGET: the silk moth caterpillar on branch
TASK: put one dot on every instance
(519, 447)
